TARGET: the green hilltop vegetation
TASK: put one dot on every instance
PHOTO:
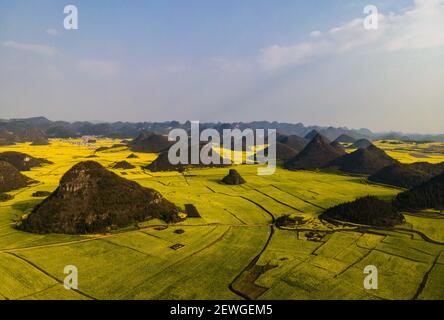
(255, 237)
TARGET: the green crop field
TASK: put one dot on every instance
(233, 251)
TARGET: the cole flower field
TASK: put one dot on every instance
(234, 250)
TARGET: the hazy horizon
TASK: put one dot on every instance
(307, 125)
(228, 61)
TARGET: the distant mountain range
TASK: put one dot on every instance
(125, 130)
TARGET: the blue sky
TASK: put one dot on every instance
(225, 60)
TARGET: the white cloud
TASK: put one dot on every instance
(52, 32)
(420, 27)
(229, 65)
(30, 47)
(98, 67)
(278, 56)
